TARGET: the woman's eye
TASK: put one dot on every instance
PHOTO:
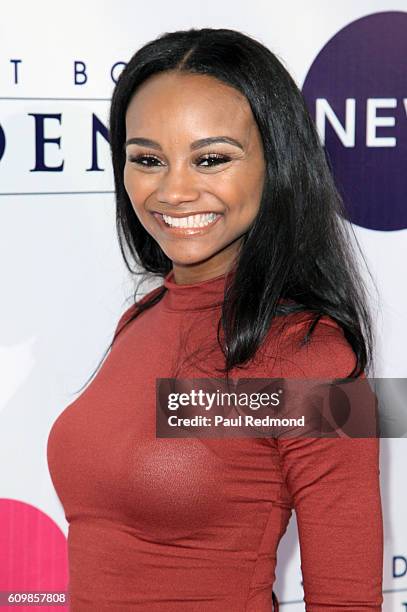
(213, 160)
(145, 160)
(205, 161)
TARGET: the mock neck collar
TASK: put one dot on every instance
(193, 296)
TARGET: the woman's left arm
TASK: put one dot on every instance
(334, 484)
(335, 487)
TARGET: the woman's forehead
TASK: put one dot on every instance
(188, 101)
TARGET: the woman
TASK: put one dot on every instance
(223, 190)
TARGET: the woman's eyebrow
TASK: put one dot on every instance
(197, 144)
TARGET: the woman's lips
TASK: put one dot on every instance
(186, 231)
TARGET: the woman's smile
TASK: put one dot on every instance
(188, 225)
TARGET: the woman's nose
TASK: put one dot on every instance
(177, 185)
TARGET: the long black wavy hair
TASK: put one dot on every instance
(297, 255)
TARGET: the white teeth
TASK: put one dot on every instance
(191, 220)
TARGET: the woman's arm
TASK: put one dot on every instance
(334, 484)
(335, 488)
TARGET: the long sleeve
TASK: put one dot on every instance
(193, 524)
(335, 490)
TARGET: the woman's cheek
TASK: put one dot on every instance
(132, 188)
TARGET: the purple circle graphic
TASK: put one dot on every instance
(356, 92)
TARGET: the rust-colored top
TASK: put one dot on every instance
(193, 525)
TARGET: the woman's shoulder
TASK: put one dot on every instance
(310, 345)
(322, 326)
(131, 310)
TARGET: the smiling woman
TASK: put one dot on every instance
(171, 174)
(223, 191)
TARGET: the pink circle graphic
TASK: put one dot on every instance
(33, 553)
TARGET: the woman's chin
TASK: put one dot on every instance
(184, 259)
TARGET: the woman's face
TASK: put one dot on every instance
(194, 170)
